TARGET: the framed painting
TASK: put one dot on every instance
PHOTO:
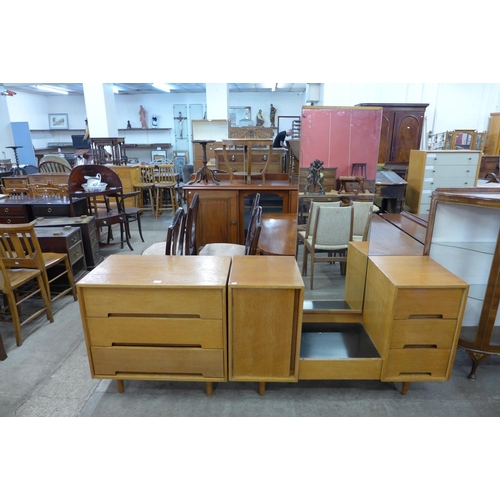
(58, 121)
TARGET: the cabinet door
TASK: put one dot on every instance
(406, 135)
(217, 220)
(386, 130)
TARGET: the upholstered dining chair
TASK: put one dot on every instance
(362, 214)
(173, 245)
(330, 234)
(22, 278)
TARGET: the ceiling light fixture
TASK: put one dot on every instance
(51, 89)
(161, 86)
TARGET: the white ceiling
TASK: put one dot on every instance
(147, 88)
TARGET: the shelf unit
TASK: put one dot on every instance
(463, 235)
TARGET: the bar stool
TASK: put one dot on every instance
(358, 166)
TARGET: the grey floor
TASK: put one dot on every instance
(49, 376)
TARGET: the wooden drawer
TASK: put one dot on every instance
(168, 332)
(13, 211)
(428, 303)
(193, 363)
(416, 364)
(13, 219)
(76, 252)
(451, 181)
(177, 302)
(434, 333)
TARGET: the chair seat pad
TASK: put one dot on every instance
(156, 249)
(226, 249)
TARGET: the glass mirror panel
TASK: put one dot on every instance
(240, 116)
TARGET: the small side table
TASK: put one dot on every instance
(15, 148)
(203, 173)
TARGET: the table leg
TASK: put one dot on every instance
(210, 388)
(262, 388)
(121, 385)
(404, 389)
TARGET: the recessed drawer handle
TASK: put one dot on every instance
(402, 374)
(420, 346)
(425, 316)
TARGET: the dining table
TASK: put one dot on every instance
(278, 234)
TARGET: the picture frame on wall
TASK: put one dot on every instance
(58, 121)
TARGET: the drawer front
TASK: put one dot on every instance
(177, 302)
(430, 185)
(424, 208)
(191, 362)
(11, 211)
(416, 364)
(453, 159)
(51, 211)
(75, 252)
(6, 219)
(428, 303)
(167, 332)
(433, 333)
(74, 238)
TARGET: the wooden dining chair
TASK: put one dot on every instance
(362, 215)
(330, 234)
(145, 185)
(174, 242)
(165, 181)
(190, 245)
(22, 274)
(54, 165)
(232, 249)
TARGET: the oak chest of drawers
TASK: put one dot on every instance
(415, 324)
(156, 318)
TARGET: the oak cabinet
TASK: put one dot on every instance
(492, 146)
(401, 130)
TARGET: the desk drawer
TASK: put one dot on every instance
(436, 333)
(13, 211)
(177, 302)
(189, 362)
(440, 303)
(416, 364)
(75, 252)
(13, 219)
(168, 332)
(452, 159)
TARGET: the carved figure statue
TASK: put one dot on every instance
(180, 120)
(142, 117)
(272, 115)
(315, 177)
(260, 118)
(128, 124)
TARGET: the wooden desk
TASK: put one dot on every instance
(278, 234)
(391, 188)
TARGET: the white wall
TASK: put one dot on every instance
(451, 106)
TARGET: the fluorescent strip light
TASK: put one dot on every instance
(161, 86)
(51, 89)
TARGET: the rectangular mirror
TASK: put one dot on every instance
(240, 116)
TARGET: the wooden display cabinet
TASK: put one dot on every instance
(492, 146)
(464, 236)
(156, 318)
(265, 299)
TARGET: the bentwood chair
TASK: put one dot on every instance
(22, 281)
(173, 245)
(330, 234)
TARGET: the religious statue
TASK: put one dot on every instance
(260, 118)
(128, 125)
(272, 115)
(180, 120)
(142, 116)
(315, 177)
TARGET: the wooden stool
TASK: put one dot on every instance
(348, 179)
(359, 166)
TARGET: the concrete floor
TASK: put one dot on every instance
(49, 376)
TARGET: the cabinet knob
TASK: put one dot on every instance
(9, 221)
(6, 209)
(233, 223)
(49, 210)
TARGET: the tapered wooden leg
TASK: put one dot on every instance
(477, 359)
(262, 388)
(404, 389)
(121, 386)
(210, 388)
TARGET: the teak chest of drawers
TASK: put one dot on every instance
(156, 318)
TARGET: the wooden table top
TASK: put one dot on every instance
(388, 239)
(278, 234)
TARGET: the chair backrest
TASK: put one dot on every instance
(253, 232)
(190, 246)
(361, 219)
(19, 247)
(333, 227)
(58, 158)
(77, 177)
(59, 165)
(313, 212)
(147, 174)
(175, 234)
(165, 173)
